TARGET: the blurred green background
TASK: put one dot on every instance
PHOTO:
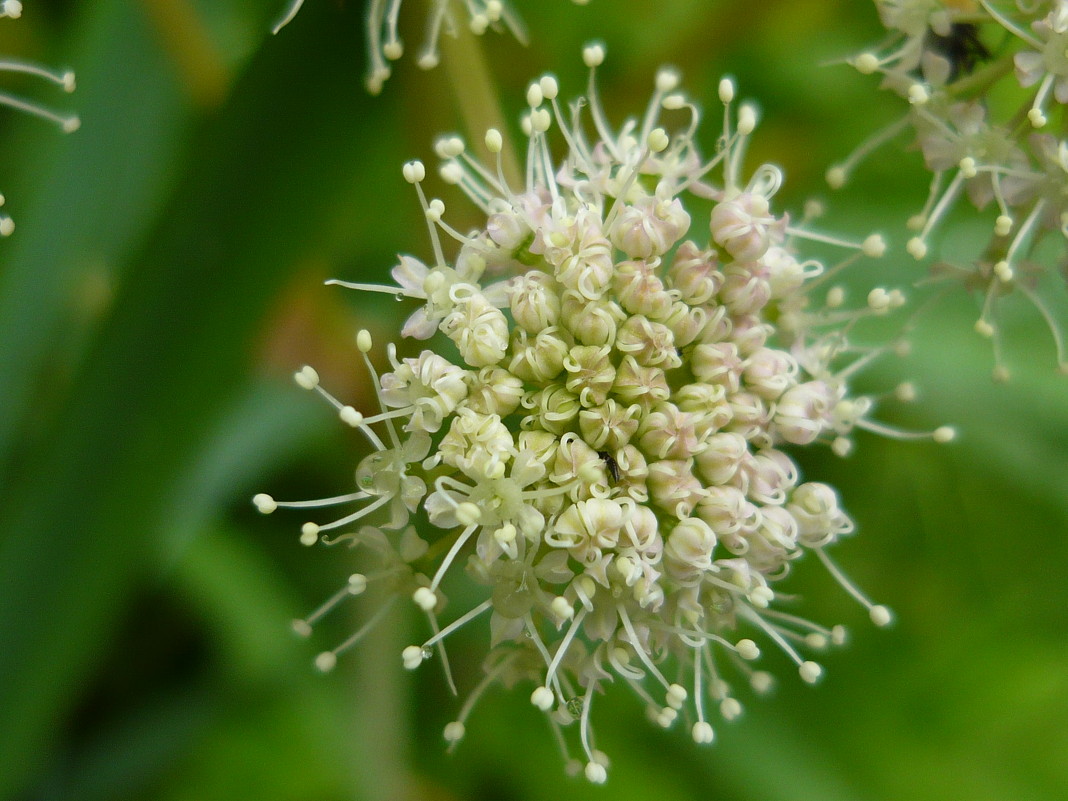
(165, 279)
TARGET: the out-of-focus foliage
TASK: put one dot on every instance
(165, 278)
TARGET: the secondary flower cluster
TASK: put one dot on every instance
(12, 9)
(982, 82)
(384, 43)
(604, 445)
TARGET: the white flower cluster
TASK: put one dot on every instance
(606, 449)
(384, 43)
(981, 80)
(12, 9)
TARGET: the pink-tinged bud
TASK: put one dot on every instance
(535, 301)
(640, 291)
(742, 226)
(669, 433)
(651, 344)
(744, 290)
(820, 520)
(674, 487)
(640, 384)
(725, 509)
(688, 551)
(694, 274)
(719, 364)
(539, 358)
(649, 227)
(769, 372)
(803, 412)
(722, 456)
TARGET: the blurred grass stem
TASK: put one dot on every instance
(476, 96)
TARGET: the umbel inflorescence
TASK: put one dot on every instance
(986, 85)
(603, 447)
(384, 42)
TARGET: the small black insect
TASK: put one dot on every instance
(962, 47)
(611, 464)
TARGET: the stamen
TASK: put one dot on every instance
(68, 123)
(880, 615)
(461, 621)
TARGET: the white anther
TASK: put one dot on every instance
(454, 732)
(541, 120)
(726, 90)
(666, 717)
(747, 649)
(676, 696)
(357, 584)
(326, 661)
(983, 328)
(309, 534)
(747, 119)
(1003, 271)
(412, 657)
(593, 55)
(264, 503)
(451, 173)
(1037, 118)
(866, 63)
(306, 377)
(1003, 225)
(873, 247)
(667, 80)
(836, 177)
(944, 434)
(918, 94)
(839, 635)
(301, 628)
(596, 774)
(435, 209)
(414, 172)
(534, 95)
(702, 733)
(880, 615)
(816, 641)
(835, 297)
(543, 698)
(494, 141)
(879, 300)
(810, 672)
(393, 50)
(427, 61)
(761, 681)
(658, 140)
(673, 102)
(468, 513)
(364, 342)
(968, 167)
(905, 392)
(549, 87)
(505, 534)
(425, 599)
(350, 416)
(760, 597)
(730, 708)
(562, 608)
(916, 248)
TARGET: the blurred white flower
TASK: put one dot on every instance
(955, 63)
(384, 44)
